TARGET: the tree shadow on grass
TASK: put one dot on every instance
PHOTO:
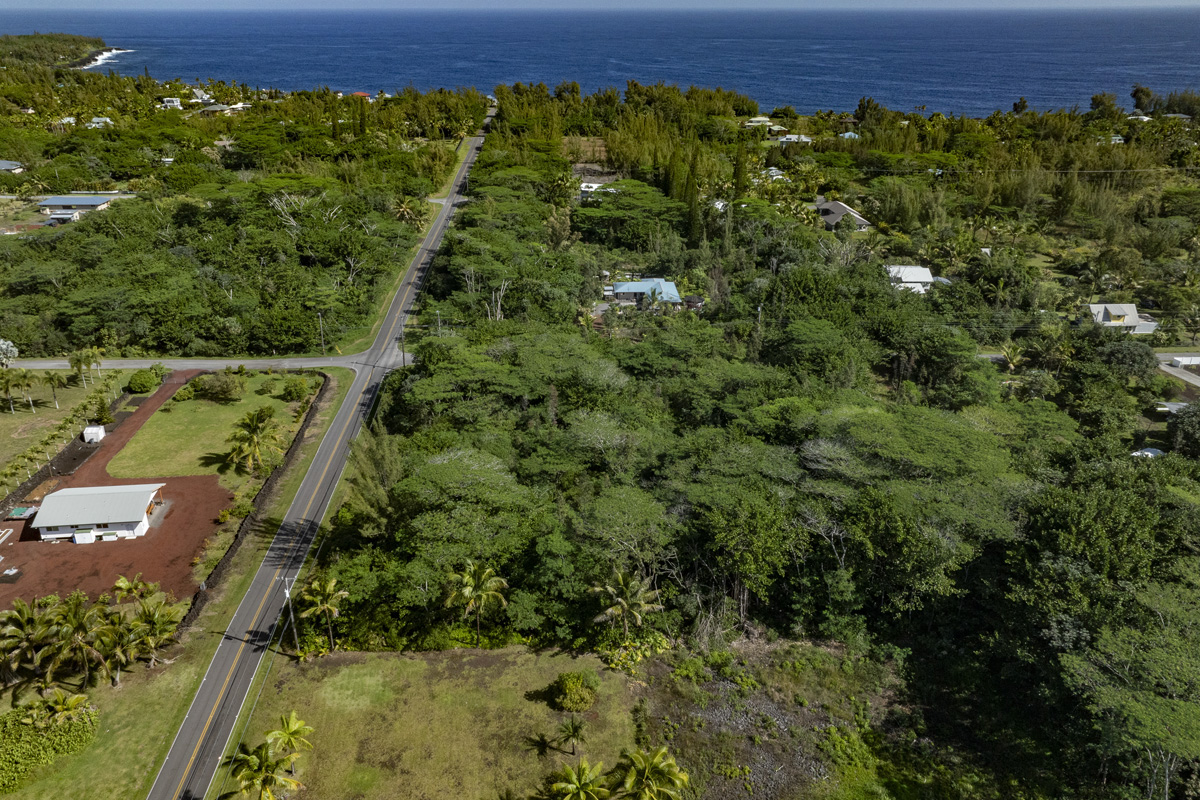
(218, 460)
(544, 695)
(540, 745)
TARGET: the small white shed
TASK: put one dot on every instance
(93, 433)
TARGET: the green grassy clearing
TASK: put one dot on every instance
(189, 438)
(23, 428)
(139, 720)
(450, 724)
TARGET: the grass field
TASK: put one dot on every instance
(139, 720)
(20, 430)
(451, 724)
(189, 438)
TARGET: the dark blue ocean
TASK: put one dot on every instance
(963, 62)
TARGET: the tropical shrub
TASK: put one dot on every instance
(575, 691)
(25, 747)
(143, 381)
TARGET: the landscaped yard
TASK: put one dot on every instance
(139, 720)
(23, 428)
(450, 724)
(188, 438)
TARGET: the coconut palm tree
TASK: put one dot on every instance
(8, 380)
(24, 380)
(134, 588)
(78, 359)
(78, 626)
(474, 588)
(257, 772)
(26, 633)
(94, 354)
(322, 597)
(290, 736)
(581, 782)
(629, 597)
(156, 623)
(59, 707)
(56, 381)
(650, 775)
(121, 644)
(571, 731)
(255, 435)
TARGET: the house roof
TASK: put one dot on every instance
(96, 505)
(7, 165)
(910, 274)
(75, 200)
(1105, 312)
(832, 211)
(666, 289)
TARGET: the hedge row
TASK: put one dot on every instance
(25, 747)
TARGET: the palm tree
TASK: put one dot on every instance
(78, 359)
(56, 381)
(1013, 353)
(253, 436)
(629, 597)
(255, 770)
(25, 635)
(156, 623)
(646, 775)
(321, 598)
(474, 588)
(61, 706)
(571, 731)
(135, 588)
(290, 736)
(93, 356)
(121, 644)
(23, 379)
(7, 384)
(581, 782)
(78, 625)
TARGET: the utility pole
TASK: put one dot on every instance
(287, 592)
(403, 356)
(439, 317)
(321, 323)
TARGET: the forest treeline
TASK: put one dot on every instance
(244, 228)
(815, 453)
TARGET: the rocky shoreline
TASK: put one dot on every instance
(97, 57)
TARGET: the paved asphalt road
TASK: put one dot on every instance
(201, 741)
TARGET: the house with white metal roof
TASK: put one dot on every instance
(912, 278)
(1122, 315)
(633, 291)
(11, 167)
(88, 513)
(73, 204)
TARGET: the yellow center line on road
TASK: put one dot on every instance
(320, 481)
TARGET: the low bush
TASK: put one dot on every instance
(185, 393)
(575, 691)
(221, 387)
(143, 381)
(295, 389)
(25, 747)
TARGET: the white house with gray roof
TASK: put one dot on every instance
(1124, 316)
(88, 513)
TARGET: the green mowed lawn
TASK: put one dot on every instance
(432, 725)
(22, 428)
(188, 438)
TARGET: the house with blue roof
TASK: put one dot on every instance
(70, 207)
(633, 291)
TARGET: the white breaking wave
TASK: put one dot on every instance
(105, 57)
